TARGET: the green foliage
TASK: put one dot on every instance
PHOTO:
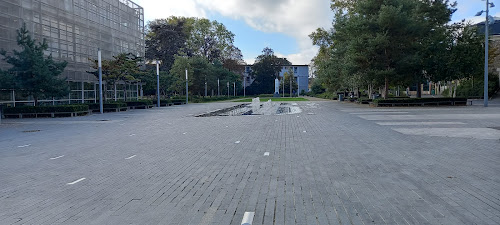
(31, 71)
(387, 42)
(107, 105)
(200, 70)
(474, 87)
(418, 100)
(317, 87)
(289, 77)
(46, 109)
(144, 102)
(265, 69)
(191, 37)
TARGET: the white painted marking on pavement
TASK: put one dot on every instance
(131, 157)
(418, 123)
(227, 126)
(237, 142)
(184, 133)
(298, 116)
(22, 146)
(477, 133)
(132, 135)
(266, 153)
(304, 131)
(247, 218)
(76, 181)
(58, 157)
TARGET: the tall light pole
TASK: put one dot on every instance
(99, 64)
(298, 86)
(158, 83)
(187, 90)
(486, 29)
(218, 88)
(228, 89)
(234, 88)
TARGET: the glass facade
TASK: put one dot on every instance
(74, 30)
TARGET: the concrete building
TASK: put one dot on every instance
(74, 30)
(300, 72)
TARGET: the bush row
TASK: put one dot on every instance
(418, 100)
(110, 105)
(46, 109)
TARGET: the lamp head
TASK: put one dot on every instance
(492, 5)
(479, 13)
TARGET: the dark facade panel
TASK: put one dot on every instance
(75, 29)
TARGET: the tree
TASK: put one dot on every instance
(123, 67)
(211, 40)
(393, 42)
(266, 68)
(165, 38)
(189, 36)
(288, 77)
(200, 70)
(32, 72)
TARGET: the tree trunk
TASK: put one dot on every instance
(125, 92)
(386, 88)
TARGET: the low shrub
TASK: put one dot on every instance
(108, 105)
(46, 109)
(417, 100)
(144, 102)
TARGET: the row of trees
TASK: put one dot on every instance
(376, 43)
(205, 48)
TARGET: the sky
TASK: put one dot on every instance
(283, 25)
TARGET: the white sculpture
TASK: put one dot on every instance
(276, 87)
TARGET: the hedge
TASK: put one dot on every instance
(112, 105)
(418, 100)
(144, 102)
(46, 109)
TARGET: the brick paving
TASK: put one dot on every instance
(334, 163)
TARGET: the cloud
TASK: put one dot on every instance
(294, 18)
(164, 9)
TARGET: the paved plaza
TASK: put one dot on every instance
(332, 163)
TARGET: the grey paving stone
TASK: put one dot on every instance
(344, 169)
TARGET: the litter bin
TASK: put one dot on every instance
(341, 97)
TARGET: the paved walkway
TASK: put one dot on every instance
(334, 163)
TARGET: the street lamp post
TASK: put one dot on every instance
(218, 88)
(486, 23)
(228, 89)
(99, 64)
(157, 83)
(298, 86)
(187, 90)
(234, 88)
